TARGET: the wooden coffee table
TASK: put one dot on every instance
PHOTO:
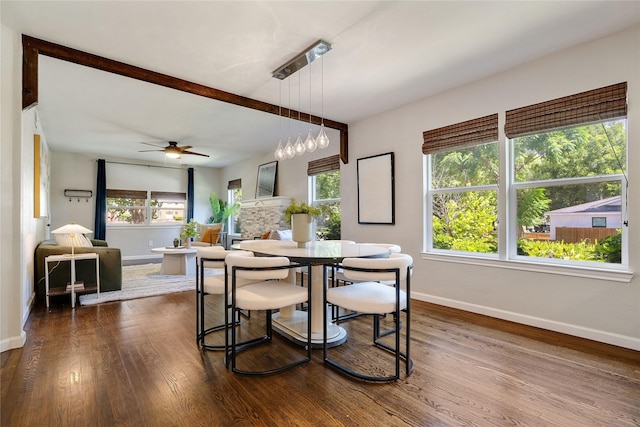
(177, 261)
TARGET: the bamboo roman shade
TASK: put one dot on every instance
(582, 108)
(327, 164)
(126, 194)
(235, 184)
(168, 196)
(471, 132)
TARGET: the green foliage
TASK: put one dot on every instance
(609, 249)
(221, 210)
(582, 251)
(532, 204)
(330, 230)
(467, 223)
(300, 208)
(328, 185)
(189, 230)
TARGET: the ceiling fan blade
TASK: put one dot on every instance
(194, 153)
(146, 151)
(153, 145)
(184, 147)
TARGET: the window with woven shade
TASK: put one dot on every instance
(463, 170)
(141, 207)
(324, 192)
(568, 158)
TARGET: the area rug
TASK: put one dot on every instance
(139, 281)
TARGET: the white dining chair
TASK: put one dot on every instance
(393, 248)
(341, 280)
(269, 291)
(211, 257)
(367, 295)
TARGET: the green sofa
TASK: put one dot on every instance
(110, 267)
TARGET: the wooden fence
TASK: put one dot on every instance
(575, 235)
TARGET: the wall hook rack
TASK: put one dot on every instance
(79, 194)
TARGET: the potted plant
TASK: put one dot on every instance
(300, 216)
(221, 210)
(189, 231)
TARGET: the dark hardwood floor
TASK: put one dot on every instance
(136, 363)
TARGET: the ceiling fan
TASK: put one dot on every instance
(173, 150)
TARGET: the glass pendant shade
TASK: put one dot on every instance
(310, 143)
(323, 139)
(289, 151)
(279, 151)
(299, 146)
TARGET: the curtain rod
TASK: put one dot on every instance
(149, 166)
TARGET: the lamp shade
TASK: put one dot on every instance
(72, 228)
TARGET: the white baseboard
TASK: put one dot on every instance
(25, 315)
(13, 342)
(552, 325)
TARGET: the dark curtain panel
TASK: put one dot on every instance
(100, 225)
(190, 196)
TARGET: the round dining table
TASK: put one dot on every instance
(290, 322)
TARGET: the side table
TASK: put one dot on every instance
(178, 261)
(72, 260)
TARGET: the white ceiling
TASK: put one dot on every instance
(385, 54)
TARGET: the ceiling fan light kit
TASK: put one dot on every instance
(310, 144)
(173, 150)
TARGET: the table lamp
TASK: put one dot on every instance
(72, 229)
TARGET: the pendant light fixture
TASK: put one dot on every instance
(279, 155)
(322, 140)
(289, 151)
(310, 144)
(299, 145)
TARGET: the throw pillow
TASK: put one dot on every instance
(211, 235)
(280, 235)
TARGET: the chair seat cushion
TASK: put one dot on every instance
(269, 295)
(367, 297)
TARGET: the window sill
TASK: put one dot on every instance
(621, 275)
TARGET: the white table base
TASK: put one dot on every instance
(292, 323)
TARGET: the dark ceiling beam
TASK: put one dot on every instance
(32, 47)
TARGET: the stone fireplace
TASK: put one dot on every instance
(260, 215)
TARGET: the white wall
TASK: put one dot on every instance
(19, 230)
(597, 309)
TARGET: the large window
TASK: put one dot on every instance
(463, 186)
(324, 192)
(563, 181)
(565, 198)
(133, 207)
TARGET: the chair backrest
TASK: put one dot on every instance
(214, 255)
(395, 260)
(245, 259)
(393, 248)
